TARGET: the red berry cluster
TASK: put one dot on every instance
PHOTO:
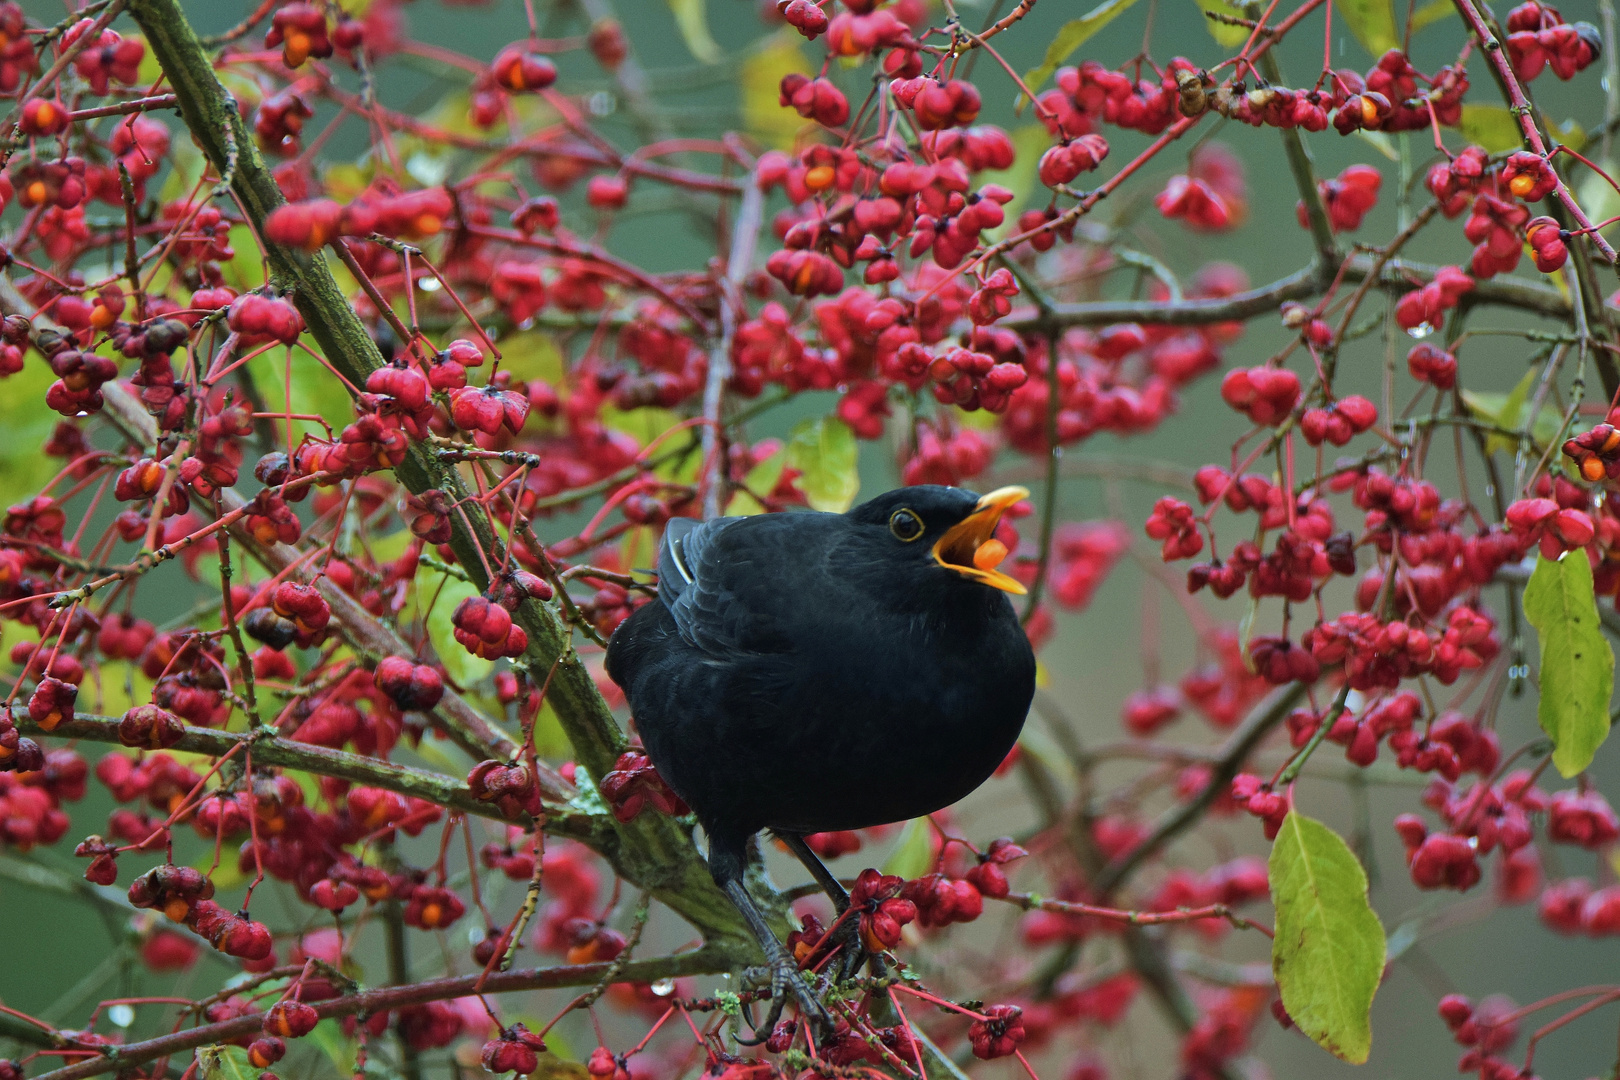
(634, 783)
(1538, 38)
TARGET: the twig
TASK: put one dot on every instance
(701, 962)
(744, 237)
(1238, 746)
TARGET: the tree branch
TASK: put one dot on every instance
(1311, 281)
(705, 961)
(447, 791)
(1238, 746)
(653, 852)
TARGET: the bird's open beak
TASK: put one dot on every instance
(970, 548)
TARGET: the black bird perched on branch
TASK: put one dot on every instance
(813, 672)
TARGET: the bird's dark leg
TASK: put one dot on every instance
(726, 866)
(848, 935)
(812, 862)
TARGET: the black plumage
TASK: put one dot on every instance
(809, 672)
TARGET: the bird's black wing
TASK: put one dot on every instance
(730, 583)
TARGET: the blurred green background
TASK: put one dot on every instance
(58, 955)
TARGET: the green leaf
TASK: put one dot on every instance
(1226, 35)
(824, 452)
(1029, 143)
(532, 354)
(1380, 141)
(225, 1063)
(1492, 127)
(1328, 955)
(759, 80)
(23, 469)
(1246, 633)
(1568, 132)
(1599, 199)
(328, 1035)
(761, 479)
(1503, 410)
(913, 853)
(1431, 13)
(550, 741)
(1071, 35)
(692, 18)
(1372, 22)
(643, 425)
(554, 1067)
(390, 547)
(463, 667)
(1577, 665)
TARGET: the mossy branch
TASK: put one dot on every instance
(654, 854)
(701, 962)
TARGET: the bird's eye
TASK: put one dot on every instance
(905, 525)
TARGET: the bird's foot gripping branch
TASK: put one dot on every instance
(356, 380)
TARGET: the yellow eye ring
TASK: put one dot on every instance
(905, 525)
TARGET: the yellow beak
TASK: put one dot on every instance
(969, 547)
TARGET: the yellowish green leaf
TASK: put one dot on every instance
(554, 1067)
(23, 469)
(314, 391)
(1431, 13)
(1030, 142)
(150, 72)
(762, 479)
(532, 354)
(913, 853)
(549, 739)
(115, 688)
(1506, 411)
(340, 1048)
(1372, 22)
(345, 180)
(445, 592)
(186, 169)
(245, 271)
(225, 1063)
(1328, 953)
(643, 425)
(1070, 36)
(390, 547)
(226, 876)
(824, 451)
(1598, 197)
(1568, 132)
(761, 75)
(1227, 35)
(692, 19)
(1246, 628)
(1380, 141)
(1491, 126)
(1577, 665)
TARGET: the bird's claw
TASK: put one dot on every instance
(785, 978)
(852, 954)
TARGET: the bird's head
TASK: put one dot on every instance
(951, 527)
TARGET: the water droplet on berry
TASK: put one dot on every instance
(1420, 331)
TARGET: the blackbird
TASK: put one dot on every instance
(812, 672)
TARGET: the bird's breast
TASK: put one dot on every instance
(901, 721)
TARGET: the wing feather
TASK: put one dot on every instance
(732, 584)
